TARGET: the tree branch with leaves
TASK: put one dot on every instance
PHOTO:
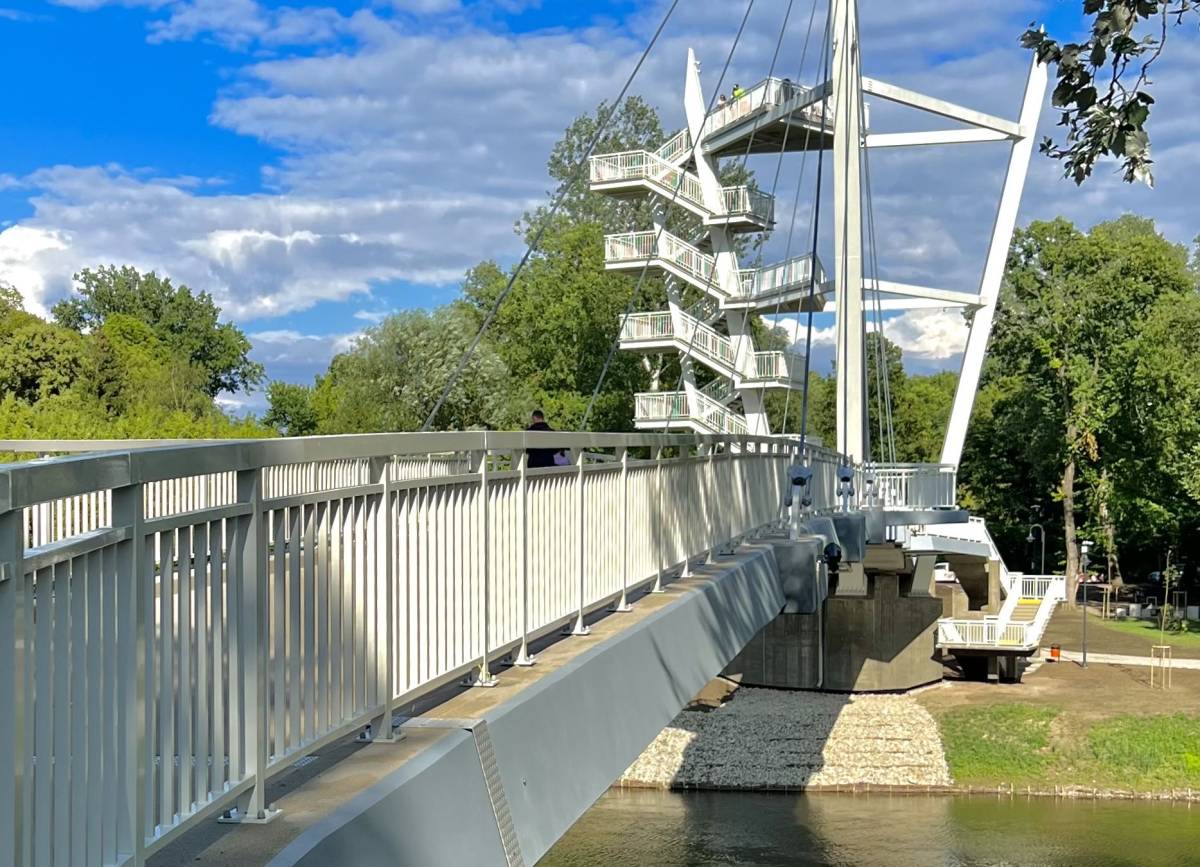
(1104, 112)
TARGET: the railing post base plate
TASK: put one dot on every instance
(237, 817)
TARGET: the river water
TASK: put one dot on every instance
(643, 827)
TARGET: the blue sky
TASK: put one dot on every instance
(317, 166)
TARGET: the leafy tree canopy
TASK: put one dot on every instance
(186, 322)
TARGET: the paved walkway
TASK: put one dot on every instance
(1122, 659)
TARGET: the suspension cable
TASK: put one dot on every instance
(612, 350)
(883, 384)
(816, 228)
(812, 270)
(547, 219)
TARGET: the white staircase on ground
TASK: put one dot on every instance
(1018, 627)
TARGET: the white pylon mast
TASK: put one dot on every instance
(846, 88)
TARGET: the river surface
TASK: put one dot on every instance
(642, 827)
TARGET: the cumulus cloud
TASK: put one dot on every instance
(409, 144)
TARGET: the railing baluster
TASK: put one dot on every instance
(14, 691)
(251, 554)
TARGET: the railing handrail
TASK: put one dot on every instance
(675, 145)
(769, 91)
(40, 480)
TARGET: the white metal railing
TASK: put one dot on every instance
(925, 486)
(160, 669)
(792, 273)
(720, 418)
(660, 406)
(766, 94)
(1001, 631)
(707, 343)
(676, 146)
(705, 309)
(779, 365)
(743, 200)
(675, 182)
(639, 246)
(720, 389)
(656, 325)
(664, 406)
(645, 166)
(71, 516)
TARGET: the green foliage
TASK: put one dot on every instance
(634, 126)
(556, 328)
(291, 411)
(1089, 398)
(1105, 114)
(186, 322)
(37, 359)
(110, 376)
(391, 380)
(1002, 743)
(1021, 744)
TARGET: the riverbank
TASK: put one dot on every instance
(1099, 732)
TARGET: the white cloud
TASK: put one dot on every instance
(928, 334)
(406, 154)
(26, 255)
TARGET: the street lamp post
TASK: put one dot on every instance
(1029, 539)
(1084, 562)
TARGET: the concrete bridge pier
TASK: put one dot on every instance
(875, 630)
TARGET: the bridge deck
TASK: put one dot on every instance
(321, 800)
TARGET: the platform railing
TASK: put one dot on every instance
(924, 486)
(633, 247)
(768, 93)
(158, 669)
(792, 273)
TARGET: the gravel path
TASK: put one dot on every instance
(764, 738)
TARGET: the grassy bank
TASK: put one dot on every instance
(1149, 631)
(1024, 744)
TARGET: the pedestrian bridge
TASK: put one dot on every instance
(182, 625)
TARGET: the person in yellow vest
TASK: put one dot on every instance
(738, 91)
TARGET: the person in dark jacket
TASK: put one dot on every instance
(540, 457)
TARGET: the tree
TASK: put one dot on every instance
(391, 379)
(1061, 416)
(37, 359)
(128, 367)
(1103, 113)
(555, 330)
(10, 299)
(291, 411)
(186, 322)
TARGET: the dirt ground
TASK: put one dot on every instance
(1086, 694)
(1066, 629)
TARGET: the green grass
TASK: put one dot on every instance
(1146, 752)
(999, 743)
(1149, 630)
(1020, 744)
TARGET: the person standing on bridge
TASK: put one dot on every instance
(738, 91)
(540, 457)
